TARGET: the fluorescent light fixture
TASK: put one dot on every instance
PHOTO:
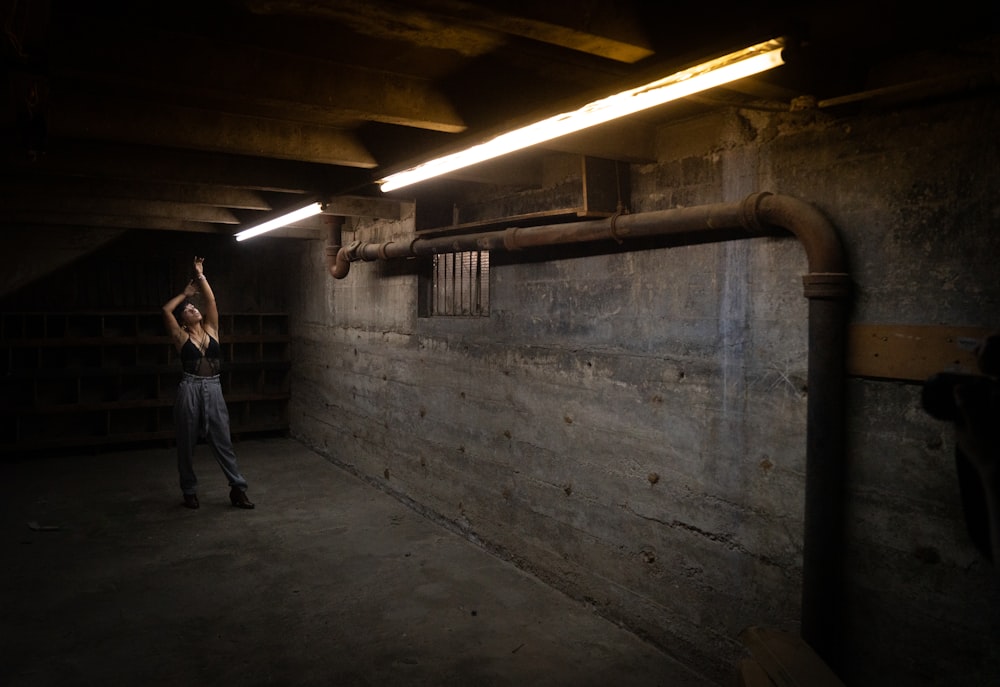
(283, 220)
(737, 65)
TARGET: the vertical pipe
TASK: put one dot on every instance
(337, 263)
(827, 286)
(823, 530)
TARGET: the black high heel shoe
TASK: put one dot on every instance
(238, 498)
(190, 501)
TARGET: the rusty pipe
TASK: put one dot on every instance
(754, 214)
(337, 263)
(827, 286)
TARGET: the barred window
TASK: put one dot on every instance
(461, 284)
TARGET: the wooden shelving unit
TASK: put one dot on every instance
(93, 379)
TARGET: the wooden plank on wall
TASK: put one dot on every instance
(912, 352)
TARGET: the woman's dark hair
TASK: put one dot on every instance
(179, 311)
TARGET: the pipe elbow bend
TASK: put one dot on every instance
(823, 247)
(337, 262)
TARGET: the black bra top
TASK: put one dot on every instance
(195, 363)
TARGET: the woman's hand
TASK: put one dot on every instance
(198, 265)
(190, 289)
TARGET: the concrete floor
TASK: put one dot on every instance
(107, 579)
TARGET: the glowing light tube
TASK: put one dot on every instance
(278, 222)
(737, 65)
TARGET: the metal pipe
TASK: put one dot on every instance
(336, 257)
(827, 286)
(823, 540)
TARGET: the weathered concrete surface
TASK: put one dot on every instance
(587, 464)
(631, 427)
(107, 579)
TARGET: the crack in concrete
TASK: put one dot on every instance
(725, 539)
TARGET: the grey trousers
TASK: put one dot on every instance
(200, 410)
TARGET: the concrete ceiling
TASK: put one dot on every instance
(211, 115)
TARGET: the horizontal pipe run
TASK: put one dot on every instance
(753, 216)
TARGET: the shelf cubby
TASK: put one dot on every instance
(92, 379)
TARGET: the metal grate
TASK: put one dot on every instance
(461, 284)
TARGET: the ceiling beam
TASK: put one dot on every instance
(91, 159)
(602, 29)
(91, 205)
(124, 120)
(45, 190)
(43, 219)
(363, 206)
(239, 78)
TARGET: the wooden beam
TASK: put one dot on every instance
(362, 206)
(263, 83)
(125, 207)
(605, 29)
(42, 219)
(123, 120)
(91, 159)
(41, 189)
(786, 659)
(912, 353)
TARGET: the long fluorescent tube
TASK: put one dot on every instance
(737, 65)
(278, 222)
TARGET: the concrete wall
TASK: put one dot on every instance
(631, 426)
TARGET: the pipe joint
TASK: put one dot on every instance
(826, 285)
(750, 210)
(510, 239)
(617, 234)
(353, 249)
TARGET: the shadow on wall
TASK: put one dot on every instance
(972, 403)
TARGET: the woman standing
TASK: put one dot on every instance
(200, 408)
